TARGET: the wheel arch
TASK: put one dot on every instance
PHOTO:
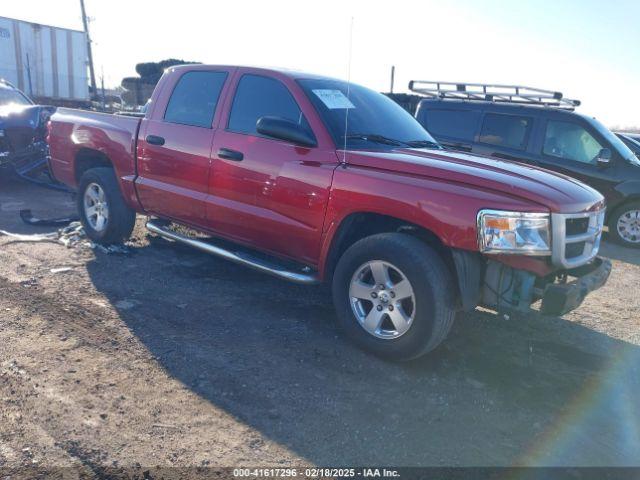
(87, 158)
(359, 225)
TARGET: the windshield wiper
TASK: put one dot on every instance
(375, 138)
(424, 144)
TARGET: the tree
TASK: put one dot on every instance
(139, 89)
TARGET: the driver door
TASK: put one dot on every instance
(571, 149)
(264, 192)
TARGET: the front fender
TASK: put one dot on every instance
(446, 209)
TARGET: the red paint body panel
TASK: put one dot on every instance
(290, 200)
(114, 136)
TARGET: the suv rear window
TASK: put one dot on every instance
(505, 130)
(194, 98)
(460, 124)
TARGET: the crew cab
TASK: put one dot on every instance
(545, 132)
(315, 180)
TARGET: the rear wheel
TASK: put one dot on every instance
(103, 213)
(624, 225)
(394, 296)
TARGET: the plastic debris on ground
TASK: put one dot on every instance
(71, 236)
(28, 218)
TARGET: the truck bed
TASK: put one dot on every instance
(76, 134)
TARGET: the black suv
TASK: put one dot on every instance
(552, 137)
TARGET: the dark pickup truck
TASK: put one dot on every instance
(312, 179)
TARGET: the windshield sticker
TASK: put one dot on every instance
(333, 99)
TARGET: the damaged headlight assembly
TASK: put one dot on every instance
(514, 232)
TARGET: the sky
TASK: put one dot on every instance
(587, 49)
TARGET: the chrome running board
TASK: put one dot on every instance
(243, 258)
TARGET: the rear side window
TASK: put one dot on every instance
(505, 130)
(194, 98)
(258, 96)
(460, 124)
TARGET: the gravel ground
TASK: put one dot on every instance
(169, 357)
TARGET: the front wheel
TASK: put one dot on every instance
(624, 225)
(394, 296)
(104, 215)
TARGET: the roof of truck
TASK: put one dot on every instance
(289, 72)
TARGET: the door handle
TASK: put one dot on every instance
(154, 140)
(229, 154)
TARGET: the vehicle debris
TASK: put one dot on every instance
(61, 270)
(73, 235)
(39, 237)
(28, 218)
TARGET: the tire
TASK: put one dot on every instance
(430, 310)
(119, 220)
(624, 225)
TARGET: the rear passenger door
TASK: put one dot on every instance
(174, 146)
(506, 136)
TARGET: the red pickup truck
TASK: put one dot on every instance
(313, 179)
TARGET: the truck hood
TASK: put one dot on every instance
(556, 192)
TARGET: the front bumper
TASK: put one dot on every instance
(561, 298)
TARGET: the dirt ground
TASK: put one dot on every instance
(170, 357)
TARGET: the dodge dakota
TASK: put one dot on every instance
(313, 179)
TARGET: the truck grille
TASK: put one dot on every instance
(576, 237)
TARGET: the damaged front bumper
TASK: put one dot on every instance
(508, 289)
(561, 298)
(503, 288)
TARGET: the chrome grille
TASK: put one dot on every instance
(575, 237)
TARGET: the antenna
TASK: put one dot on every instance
(92, 73)
(346, 110)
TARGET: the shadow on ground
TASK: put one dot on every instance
(527, 391)
(17, 194)
(620, 253)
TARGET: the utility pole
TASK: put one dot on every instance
(92, 73)
(104, 103)
(393, 74)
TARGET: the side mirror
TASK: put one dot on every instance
(604, 157)
(282, 129)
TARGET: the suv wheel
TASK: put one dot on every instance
(394, 296)
(104, 215)
(624, 225)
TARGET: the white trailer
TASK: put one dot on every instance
(45, 62)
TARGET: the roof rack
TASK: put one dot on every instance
(492, 93)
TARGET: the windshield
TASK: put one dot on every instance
(618, 144)
(373, 121)
(9, 96)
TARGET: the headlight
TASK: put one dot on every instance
(514, 232)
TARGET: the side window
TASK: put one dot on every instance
(505, 130)
(571, 141)
(460, 124)
(258, 96)
(194, 98)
